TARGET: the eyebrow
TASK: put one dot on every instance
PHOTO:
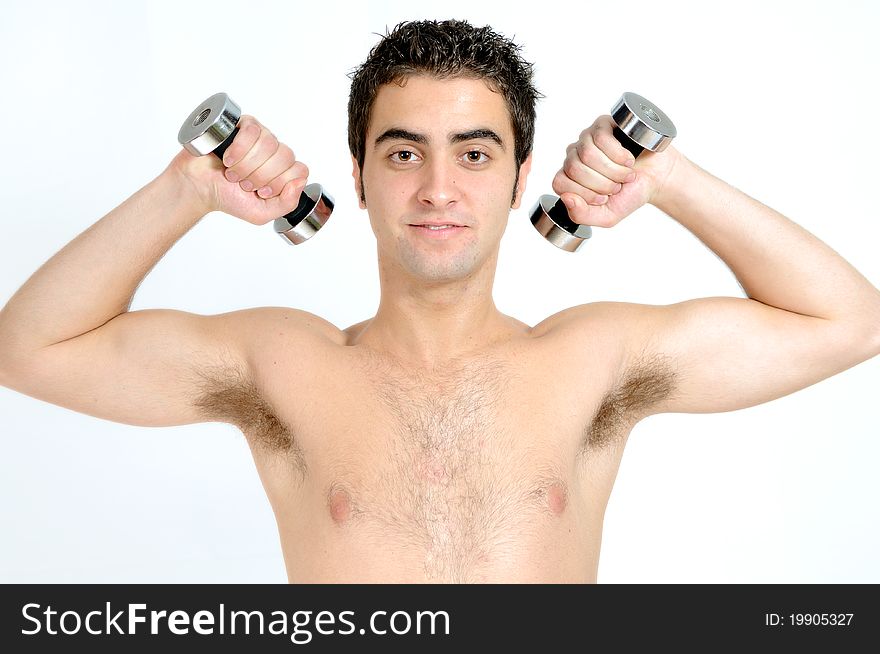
(460, 137)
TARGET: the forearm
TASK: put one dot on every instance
(94, 277)
(777, 262)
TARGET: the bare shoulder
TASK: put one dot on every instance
(273, 345)
(620, 335)
(264, 323)
(622, 330)
(269, 339)
(622, 319)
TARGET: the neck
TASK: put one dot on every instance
(429, 323)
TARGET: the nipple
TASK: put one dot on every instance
(557, 497)
(339, 503)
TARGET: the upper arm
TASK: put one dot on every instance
(726, 353)
(143, 368)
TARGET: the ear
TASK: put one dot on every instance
(356, 175)
(524, 170)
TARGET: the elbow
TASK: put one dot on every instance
(852, 340)
(6, 370)
(874, 340)
(873, 328)
(862, 323)
(869, 335)
(13, 366)
(5, 374)
(5, 360)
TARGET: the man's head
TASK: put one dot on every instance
(444, 50)
(441, 118)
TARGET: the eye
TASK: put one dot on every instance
(403, 156)
(476, 157)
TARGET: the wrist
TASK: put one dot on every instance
(184, 180)
(674, 184)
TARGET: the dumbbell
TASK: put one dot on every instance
(211, 127)
(639, 126)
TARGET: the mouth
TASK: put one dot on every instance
(438, 230)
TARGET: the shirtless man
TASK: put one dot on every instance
(451, 442)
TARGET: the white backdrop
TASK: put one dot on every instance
(779, 99)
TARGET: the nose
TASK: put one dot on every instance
(438, 188)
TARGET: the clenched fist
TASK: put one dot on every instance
(258, 180)
(601, 183)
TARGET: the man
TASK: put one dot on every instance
(451, 442)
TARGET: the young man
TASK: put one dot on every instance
(452, 442)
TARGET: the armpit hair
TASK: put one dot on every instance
(644, 384)
(228, 395)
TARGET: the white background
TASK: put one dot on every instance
(779, 99)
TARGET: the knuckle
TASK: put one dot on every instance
(592, 156)
(617, 153)
(300, 169)
(270, 142)
(251, 129)
(285, 153)
(559, 181)
(245, 122)
(604, 141)
(570, 167)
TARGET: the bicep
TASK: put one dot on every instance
(146, 368)
(727, 353)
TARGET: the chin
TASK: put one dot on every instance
(442, 269)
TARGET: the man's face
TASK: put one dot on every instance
(439, 151)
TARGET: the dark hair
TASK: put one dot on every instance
(451, 48)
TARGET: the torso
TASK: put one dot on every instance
(497, 468)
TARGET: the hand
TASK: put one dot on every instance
(601, 183)
(258, 180)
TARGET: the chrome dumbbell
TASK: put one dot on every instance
(639, 126)
(211, 127)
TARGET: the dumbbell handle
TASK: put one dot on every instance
(627, 142)
(220, 150)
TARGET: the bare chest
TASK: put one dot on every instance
(449, 472)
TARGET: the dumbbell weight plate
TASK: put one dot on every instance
(640, 125)
(208, 127)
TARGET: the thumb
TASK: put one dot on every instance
(286, 201)
(581, 212)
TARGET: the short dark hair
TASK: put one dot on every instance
(444, 49)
